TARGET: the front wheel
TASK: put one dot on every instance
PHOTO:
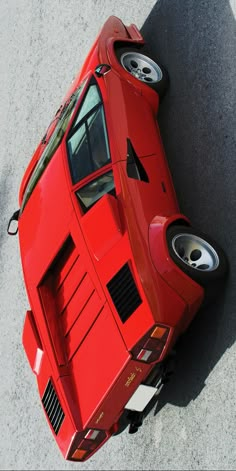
(196, 254)
(144, 69)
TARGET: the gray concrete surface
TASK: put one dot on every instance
(42, 45)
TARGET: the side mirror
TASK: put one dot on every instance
(102, 69)
(12, 227)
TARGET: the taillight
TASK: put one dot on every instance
(92, 434)
(150, 348)
(79, 454)
(144, 354)
(92, 439)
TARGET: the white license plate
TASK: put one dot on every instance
(141, 398)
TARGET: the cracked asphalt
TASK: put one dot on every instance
(43, 44)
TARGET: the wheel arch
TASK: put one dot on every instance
(197, 254)
(188, 289)
(160, 87)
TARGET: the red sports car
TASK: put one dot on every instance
(113, 271)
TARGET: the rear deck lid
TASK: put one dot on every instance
(83, 331)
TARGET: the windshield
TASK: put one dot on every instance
(53, 143)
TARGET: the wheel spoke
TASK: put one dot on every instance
(141, 67)
(195, 252)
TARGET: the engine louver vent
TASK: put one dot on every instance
(124, 293)
(53, 407)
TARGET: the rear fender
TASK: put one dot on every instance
(188, 289)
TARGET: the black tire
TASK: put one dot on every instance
(122, 423)
(160, 85)
(204, 261)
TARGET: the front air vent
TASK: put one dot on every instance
(53, 407)
(124, 293)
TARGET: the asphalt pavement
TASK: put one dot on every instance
(42, 46)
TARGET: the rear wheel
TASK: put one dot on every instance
(196, 254)
(144, 68)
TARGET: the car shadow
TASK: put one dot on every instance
(195, 41)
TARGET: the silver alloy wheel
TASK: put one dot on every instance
(195, 252)
(141, 67)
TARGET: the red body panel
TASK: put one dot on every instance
(74, 335)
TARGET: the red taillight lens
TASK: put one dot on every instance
(79, 454)
(150, 348)
(92, 439)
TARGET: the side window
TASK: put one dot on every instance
(87, 143)
(92, 99)
(94, 190)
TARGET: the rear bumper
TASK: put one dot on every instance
(107, 415)
(109, 412)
